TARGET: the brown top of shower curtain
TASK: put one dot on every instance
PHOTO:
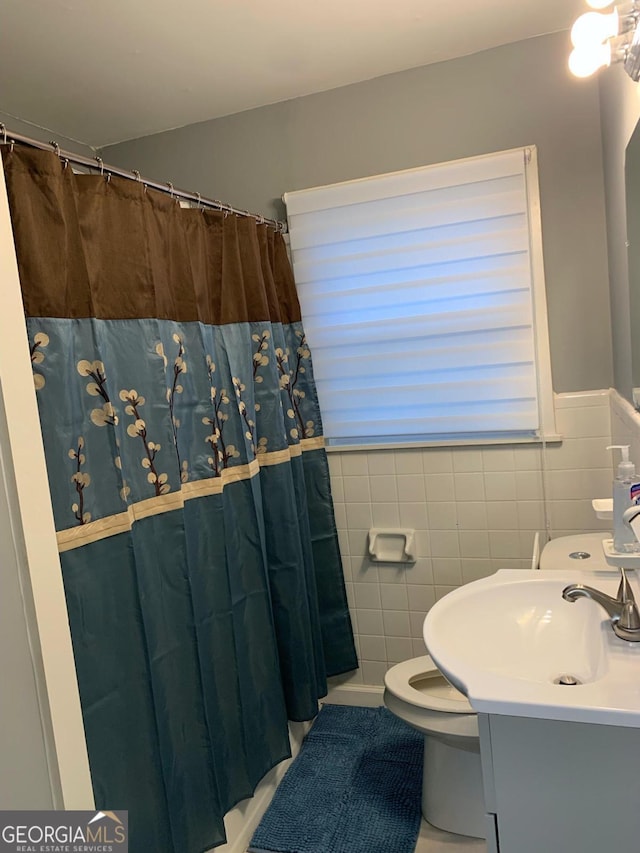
(88, 246)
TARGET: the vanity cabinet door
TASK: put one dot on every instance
(563, 786)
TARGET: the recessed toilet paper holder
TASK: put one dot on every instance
(392, 545)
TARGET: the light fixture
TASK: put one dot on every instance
(583, 63)
(595, 28)
(602, 38)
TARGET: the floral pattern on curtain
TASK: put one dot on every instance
(189, 486)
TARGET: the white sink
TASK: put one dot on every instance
(505, 641)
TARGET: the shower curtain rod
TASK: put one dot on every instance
(9, 137)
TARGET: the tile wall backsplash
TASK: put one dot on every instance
(474, 510)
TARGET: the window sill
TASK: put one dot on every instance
(553, 438)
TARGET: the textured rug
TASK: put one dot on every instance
(355, 787)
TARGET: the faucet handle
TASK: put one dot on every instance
(625, 592)
(629, 617)
(627, 626)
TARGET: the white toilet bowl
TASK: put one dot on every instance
(452, 793)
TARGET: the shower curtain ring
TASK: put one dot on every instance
(56, 147)
(199, 197)
(100, 162)
(170, 185)
(137, 174)
(4, 133)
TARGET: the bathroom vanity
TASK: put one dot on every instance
(557, 695)
(558, 786)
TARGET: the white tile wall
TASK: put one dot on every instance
(475, 510)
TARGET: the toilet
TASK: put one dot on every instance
(452, 795)
(418, 693)
(583, 551)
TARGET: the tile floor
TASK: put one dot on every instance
(432, 840)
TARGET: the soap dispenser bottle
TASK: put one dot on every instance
(624, 539)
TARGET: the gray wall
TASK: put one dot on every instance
(632, 194)
(514, 95)
(510, 96)
(620, 113)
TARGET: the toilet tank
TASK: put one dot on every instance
(583, 551)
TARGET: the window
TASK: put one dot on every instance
(423, 300)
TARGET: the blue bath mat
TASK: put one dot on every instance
(355, 787)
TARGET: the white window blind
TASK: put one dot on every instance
(420, 301)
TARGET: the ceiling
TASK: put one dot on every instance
(102, 71)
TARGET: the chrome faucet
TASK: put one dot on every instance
(625, 619)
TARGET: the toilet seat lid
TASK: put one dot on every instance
(434, 691)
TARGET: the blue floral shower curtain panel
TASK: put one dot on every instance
(190, 491)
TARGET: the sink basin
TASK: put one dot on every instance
(510, 643)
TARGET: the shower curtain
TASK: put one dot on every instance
(190, 491)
